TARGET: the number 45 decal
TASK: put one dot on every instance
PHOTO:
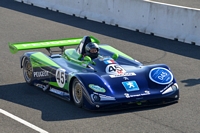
(60, 77)
(114, 69)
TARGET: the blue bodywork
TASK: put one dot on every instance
(109, 83)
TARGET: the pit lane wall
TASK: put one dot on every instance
(168, 21)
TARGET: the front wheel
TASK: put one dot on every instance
(77, 93)
(28, 71)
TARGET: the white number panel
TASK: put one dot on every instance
(60, 77)
(114, 69)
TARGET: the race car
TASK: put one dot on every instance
(112, 80)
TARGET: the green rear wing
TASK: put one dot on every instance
(15, 47)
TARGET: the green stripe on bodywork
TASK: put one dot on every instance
(15, 47)
(40, 60)
(113, 50)
(54, 84)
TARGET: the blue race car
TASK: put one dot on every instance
(105, 79)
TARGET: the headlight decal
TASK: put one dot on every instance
(172, 88)
(168, 90)
(103, 97)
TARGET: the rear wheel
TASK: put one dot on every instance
(28, 71)
(77, 93)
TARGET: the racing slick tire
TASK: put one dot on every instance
(77, 93)
(28, 71)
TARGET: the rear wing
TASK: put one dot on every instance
(15, 47)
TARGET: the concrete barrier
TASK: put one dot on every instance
(174, 22)
(168, 21)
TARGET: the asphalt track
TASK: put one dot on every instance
(20, 22)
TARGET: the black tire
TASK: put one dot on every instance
(28, 71)
(77, 93)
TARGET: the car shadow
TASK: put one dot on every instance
(191, 82)
(107, 30)
(53, 108)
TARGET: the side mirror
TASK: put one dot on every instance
(115, 56)
(87, 58)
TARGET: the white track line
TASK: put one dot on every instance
(151, 1)
(22, 121)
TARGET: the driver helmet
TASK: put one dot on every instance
(92, 50)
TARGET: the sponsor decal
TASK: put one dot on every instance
(130, 86)
(161, 75)
(41, 74)
(43, 87)
(127, 95)
(114, 69)
(61, 93)
(122, 75)
(125, 78)
(40, 86)
(97, 88)
(109, 61)
(147, 92)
